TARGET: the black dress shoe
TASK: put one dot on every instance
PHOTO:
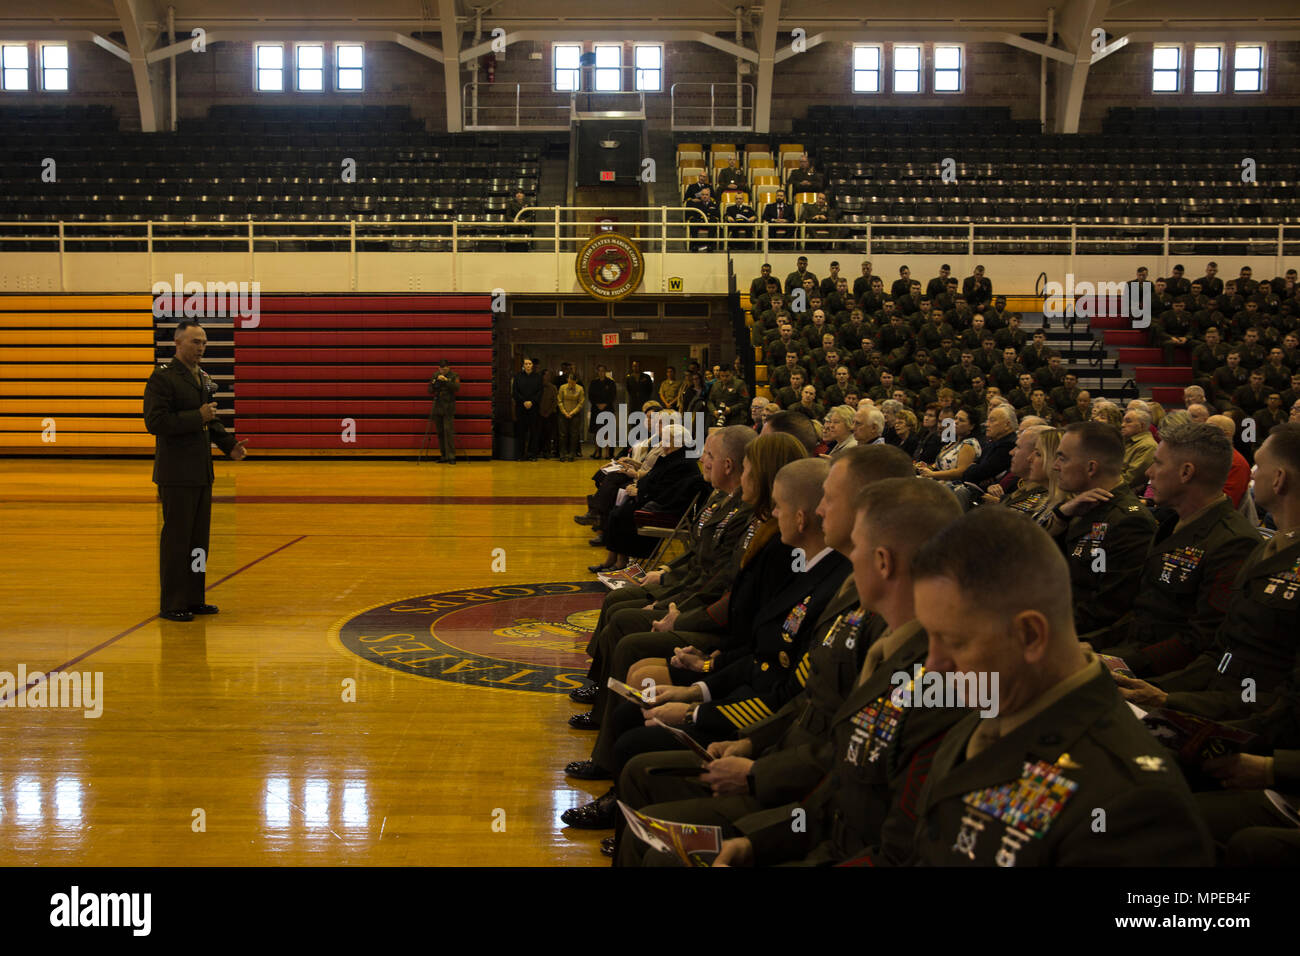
(176, 615)
(586, 721)
(586, 770)
(584, 695)
(584, 519)
(599, 814)
(598, 568)
(598, 541)
(203, 609)
(607, 846)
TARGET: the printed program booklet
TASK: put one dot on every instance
(693, 845)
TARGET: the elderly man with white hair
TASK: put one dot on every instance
(1139, 448)
(756, 411)
(1193, 395)
(668, 486)
(1137, 403)
(869, 426)
(994, 460)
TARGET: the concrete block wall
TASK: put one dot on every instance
(996, 75)
(1124, 79)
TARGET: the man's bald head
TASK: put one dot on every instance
(1224, 424)
(1198, 413)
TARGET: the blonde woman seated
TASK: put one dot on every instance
(837, 431)
(1037, 492)
(957, 455)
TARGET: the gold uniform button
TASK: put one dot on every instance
(764, 666)
(784, 658)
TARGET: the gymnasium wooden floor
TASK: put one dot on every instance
(228, 741)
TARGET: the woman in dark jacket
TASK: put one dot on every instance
(526, 391)
(667, 487)
(905, 429)
(692, 397)
(929, 439)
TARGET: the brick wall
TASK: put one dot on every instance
(1124, 79)
(997, 75)
(95, 77)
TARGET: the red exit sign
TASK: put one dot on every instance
(607, 175)
(609, 339)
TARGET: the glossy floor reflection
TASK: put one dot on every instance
(259, 736)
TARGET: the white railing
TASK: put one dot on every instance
(538, 106)
(515, 106)
(705, 107)
(560, 230)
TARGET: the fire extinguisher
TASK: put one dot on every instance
(490, 67)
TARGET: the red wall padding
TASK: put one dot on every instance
(313, 361)
(320, 320)
(405, 443)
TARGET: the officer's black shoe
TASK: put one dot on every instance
(176, 615)
(586, 721)
(600, 814)
(587, 770)
(584, 519)
(584, 695)
(203, 609)
(598, 541)
(607, 847)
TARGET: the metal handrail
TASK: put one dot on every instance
(471, 98)
(738, 105)
(655, 223)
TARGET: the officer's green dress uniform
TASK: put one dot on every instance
(1259, 639)
(1185, 586)
(728, 404)
(1119, 532)
(444, 412)
(706, 569)
(182, 469)
(1027, 499)
(1080, 782)
(864, 812)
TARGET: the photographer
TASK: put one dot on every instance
(443, 387)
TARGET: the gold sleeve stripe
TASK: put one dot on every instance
(733, 718)
(744, 709)
(757, 707)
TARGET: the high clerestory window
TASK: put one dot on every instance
(14, 67)
(907, 69)
(268, 59)
(1248, 68)
(866, 68)
(947, 69)
(1166, 69)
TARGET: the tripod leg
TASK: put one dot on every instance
(428, 428)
